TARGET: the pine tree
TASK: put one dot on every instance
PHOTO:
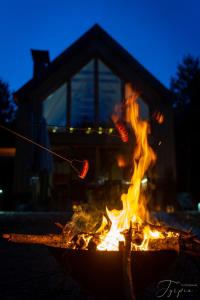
(7, 104)
(186, 88)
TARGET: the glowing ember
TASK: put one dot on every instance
(121, 161)
(159, 117)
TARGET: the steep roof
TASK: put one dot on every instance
(96, 42)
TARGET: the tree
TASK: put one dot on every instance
(186, 88)
(7, 116)
(7, 104)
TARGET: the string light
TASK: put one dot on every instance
(88, 131)
(110, 130)
(100, 130)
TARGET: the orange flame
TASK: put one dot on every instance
(133, 203)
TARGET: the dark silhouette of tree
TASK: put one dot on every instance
(8, 110)
(7, 104)
(7, 118)
(186, 88)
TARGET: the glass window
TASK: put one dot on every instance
(54, 107)
(110, 94)
(82, 108)
(82, 97)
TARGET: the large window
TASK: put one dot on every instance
(93, 93)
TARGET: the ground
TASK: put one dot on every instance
(31, 272)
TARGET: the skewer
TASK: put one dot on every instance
(85, 164)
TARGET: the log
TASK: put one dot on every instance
(185, 243)
(191, 246)
(164, 229)
(53, 240)
(165, 244)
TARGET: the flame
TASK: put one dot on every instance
(133, 203)
(110, 235)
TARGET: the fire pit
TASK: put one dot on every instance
(101, 272)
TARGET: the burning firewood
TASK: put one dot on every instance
(165, 244)
(53, 240)
(183, 242)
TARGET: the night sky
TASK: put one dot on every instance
(157, 33)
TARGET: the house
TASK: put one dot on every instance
(75, 95)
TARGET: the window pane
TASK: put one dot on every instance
(54, 107)
(109, 94)
(82, 105)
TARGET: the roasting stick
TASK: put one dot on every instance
(85, 163)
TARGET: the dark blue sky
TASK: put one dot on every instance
(158, 33)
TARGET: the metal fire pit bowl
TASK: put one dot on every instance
(101, 272)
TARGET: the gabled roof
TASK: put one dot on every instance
(94, 43)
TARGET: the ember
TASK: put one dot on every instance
(158, 117)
